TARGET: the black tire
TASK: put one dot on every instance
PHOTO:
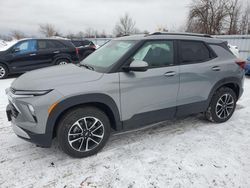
(67, 124)
(4, 71)
(62, 61)
(215, 109)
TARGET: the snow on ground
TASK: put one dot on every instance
(188, 152)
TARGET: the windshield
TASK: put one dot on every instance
(6, 45)
(106, 56)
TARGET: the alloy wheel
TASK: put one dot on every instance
(2, 72)
(63, 63)
(225, 106)
(86, 134)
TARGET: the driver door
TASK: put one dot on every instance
(150, 96)
(23, 56)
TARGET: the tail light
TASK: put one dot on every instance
(77, 51)
(241, 63)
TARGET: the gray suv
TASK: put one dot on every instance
(129, 82)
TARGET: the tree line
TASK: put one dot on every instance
(219, 17)
(213, 17)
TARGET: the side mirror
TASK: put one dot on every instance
(15, 50)
(137, 66)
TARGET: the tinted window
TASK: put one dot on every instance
(58, 44)
(156, 53)
(77, 43)
(48, 44)
(42, 44)
(26, 46)
(192, 51)
(82, 43)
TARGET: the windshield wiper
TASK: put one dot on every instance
(87, 66)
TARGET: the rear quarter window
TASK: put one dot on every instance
(221, 51)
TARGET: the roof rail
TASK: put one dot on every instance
(183, 34)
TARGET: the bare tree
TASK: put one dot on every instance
(125, 26)
(17, 34)
(48, 30)
(245, 22)
(90, 33)
(103, 34)
(207, 16)
(233, 9)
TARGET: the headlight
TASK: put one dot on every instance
(30, 93)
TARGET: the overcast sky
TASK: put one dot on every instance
(78, 15)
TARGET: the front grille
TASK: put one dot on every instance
(14, 111)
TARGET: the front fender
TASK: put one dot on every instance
(78, 100)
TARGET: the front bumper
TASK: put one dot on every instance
(24, 124)
(43, 140)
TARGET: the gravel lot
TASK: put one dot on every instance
(188, 152)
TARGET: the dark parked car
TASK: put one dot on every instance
(28, 54)
(247, 66)
(84, 47)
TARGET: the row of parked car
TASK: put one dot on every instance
(29, 54)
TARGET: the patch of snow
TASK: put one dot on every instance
(188, 152)
(6, 45)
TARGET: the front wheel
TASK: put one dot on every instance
(222, 105)
(83, 131)
(3, 71)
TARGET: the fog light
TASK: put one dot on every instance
(32, 110)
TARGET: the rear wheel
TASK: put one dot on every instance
(222, 105)
(3, 71)
(83, 131)
(62, 62)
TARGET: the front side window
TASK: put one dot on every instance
(156, 53)
(26, 47)
(106, 56)
(193, 52)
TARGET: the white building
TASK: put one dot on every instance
(241, 41)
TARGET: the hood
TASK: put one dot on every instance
(51, 77)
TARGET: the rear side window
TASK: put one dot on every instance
(193, 52)
(82, 43)
(48, 44)
(77, 43)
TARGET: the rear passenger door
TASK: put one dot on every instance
(48, 51)
(150, 96)
(198, 74)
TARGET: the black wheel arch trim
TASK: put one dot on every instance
(222, 82)
(62, 56)
(81, 100)
(6, 64)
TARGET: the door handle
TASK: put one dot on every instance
(216, 68)
(56, 52)
(32, 54)
(170, 73)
